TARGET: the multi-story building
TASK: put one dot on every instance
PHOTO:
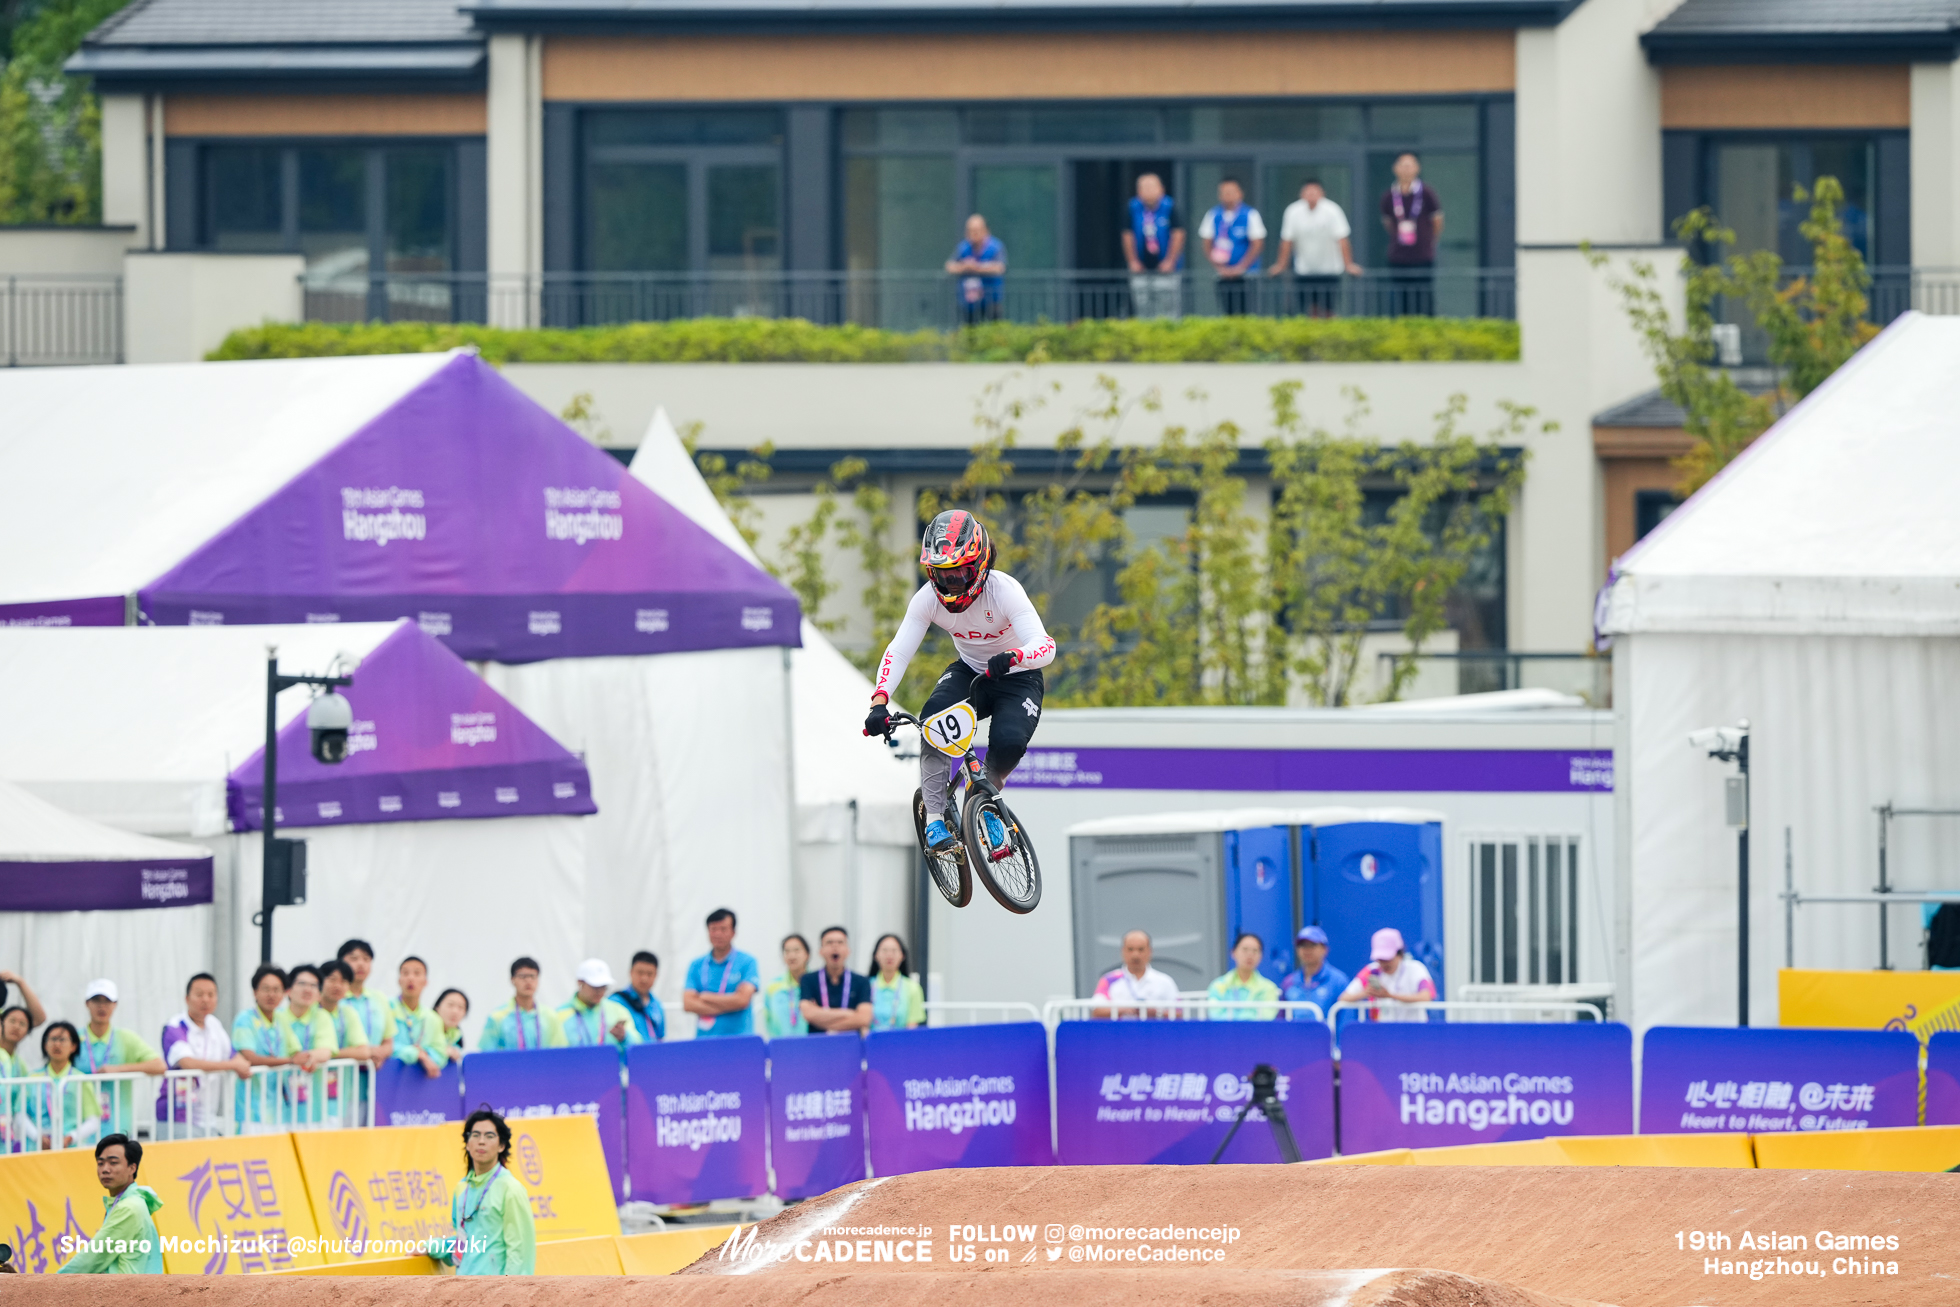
(573, 161)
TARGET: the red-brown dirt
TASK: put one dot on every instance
(1609, 1234)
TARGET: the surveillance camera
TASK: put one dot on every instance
(328, 718)
(1718, 740)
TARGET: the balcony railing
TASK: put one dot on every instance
(1482, 671)
(55, 318)
(903, 301)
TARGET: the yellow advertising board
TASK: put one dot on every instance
(232, 1206)
(381, 1192)
(562, 1165)
(1919, 1001)
(45, 1196)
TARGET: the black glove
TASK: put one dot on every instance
(1002, 663)
(878, 721)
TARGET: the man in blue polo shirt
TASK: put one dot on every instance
(721, 983)
(1233, 233)
(1153, 244)
(980, 262)
(1315, 981)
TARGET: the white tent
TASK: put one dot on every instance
(372, 488)
(856, 850)
(138, 728)
(1813, 588)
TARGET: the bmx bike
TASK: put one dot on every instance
(1010, 870)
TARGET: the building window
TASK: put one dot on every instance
(682, 190)
(1649, 507)
(1524, 909)
(351, 208)
(1055, 182)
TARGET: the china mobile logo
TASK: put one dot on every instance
(472, 728)
(378, 514)
(581, 514)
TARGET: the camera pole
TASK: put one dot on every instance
(1265, 1097)
(269, 819)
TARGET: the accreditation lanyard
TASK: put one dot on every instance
(727, 965)
(265, 1033)
(592, 1011)
(517, 1019)
(1415, 200)
(823, 986)
(95, 1055)
(483, 1197)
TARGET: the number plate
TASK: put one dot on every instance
(951, 730)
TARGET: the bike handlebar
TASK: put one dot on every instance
(902, 718)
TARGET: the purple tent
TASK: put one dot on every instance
(430, 741)
(53, 861)
(445, 496)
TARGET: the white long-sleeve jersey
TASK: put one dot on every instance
(1001, 620)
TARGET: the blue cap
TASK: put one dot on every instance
(1310, 935)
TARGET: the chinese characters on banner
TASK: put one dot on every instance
(1765, 1081)
(405, 1094)
(1432, 1085)
(697, 1119)
(1168, 1091)
(816, 1113)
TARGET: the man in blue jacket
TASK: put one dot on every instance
(1315, 981)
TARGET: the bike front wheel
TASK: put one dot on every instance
(1009, 870)
(948, 869)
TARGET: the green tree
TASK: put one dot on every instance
(50, 124)
(1814, 322)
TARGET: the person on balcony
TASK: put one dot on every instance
(1314, 236)
(1412, 215)
(1153, 245)
(1233, 233)
(980, 263)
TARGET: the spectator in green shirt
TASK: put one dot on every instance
(350, 1032)
(521, 1024)
(263, 1034)
(782, 1007)
(66, 1112)
(108, 1050)
(1244, 985)
(376, 1018)
(896, 1000)
(318, 1042)
(451, 1008)
(418, 1031)
(126, 1243)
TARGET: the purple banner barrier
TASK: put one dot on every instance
(816, 1113)
(958, 1096)
(697, 1118)
(96, 886)
(554, 1082)
(1694, 1080)
(1485, 771)
(1167, 1091)
(1943, 1078)
(404, 1094)
(1428, 1085)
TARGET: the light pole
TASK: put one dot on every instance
(328, 718)
(1731, 744)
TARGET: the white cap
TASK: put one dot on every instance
(100, 989)
(595, 972)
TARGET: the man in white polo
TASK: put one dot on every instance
(1136, 990)
(1315, 244)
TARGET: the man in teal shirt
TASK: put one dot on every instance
(521, 1024)
(721, 983)
(491, 1210)
(126, 1243)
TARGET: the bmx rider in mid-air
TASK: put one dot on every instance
(996, 633)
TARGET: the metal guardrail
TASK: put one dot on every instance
(1183, 1008)
(60, 319)
(897, 300)
(979, 1013)
(39, 1114)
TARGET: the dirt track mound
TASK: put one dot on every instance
(1616, 1235)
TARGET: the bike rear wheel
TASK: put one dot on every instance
(948, 869)
(1011, 872)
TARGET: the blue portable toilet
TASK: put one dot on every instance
(1365, 868)
(1261, 884)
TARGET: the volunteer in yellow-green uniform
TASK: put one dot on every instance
(490, 1209)
(782, 998)
(126, 1242)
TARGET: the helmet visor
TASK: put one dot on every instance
(954, 580)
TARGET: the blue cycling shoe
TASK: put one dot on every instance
(996, 830)
(939, 839)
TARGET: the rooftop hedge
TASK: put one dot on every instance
(792, 340)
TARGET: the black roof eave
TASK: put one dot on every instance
(1935, 45)
(271, 68)
(599, 18)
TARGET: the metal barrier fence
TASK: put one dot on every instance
(60, 318)
(902, 301)
(42, 1114)
(977, 1014)
(1186, 1007)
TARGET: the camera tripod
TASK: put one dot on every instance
(1265, 1097)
